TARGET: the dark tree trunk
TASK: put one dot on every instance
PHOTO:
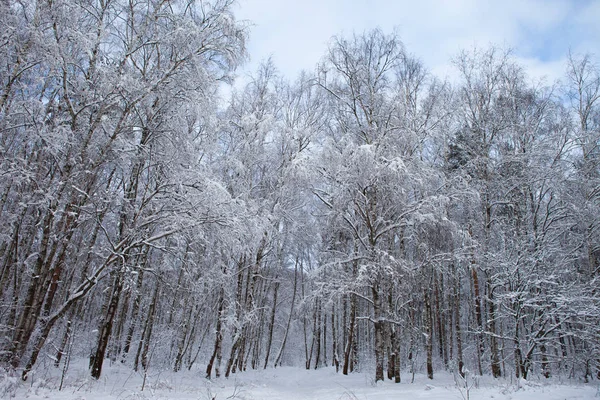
(379, 333)
(271, 324)
(350, 342)
(216, 355)
(545, 364)
(334, 350)
(495, 358)
(478, 318)
(317, 334)
(106, 325)
(457, 329)
(134, 314)
(428, 335)
(441, 321)
(33, 298)
(183, 336)
(392, 347)
(289, 321)
(149, 327)
(348, 362)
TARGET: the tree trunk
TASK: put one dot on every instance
(106, 325)
(441, 320)
(310, 352)
(348, 362)
(324, 330)
(317, 334)
(379, 333)
(65, 339)
(334, 350)
(457, 328)
(396, 354)
(149, 327)
(271, 324)
(289, 321)
(121, 316)
(350, 343)
(545, 364)
(134, 314)
(33, 298)
(495, 358)
(478, 318)
(216, 355)
(183, 336)
(428, 335)
(392, 345)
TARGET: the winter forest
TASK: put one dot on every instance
(363, 216)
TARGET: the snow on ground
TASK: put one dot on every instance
(286, 383)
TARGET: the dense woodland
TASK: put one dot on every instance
(366, 215)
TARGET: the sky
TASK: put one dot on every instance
(296, 33)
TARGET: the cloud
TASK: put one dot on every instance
(297, 33)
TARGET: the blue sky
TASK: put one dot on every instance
(295, 33)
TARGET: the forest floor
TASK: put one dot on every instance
(285, 383)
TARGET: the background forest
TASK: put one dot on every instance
(367, 215)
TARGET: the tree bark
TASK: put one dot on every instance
(317, 333)
(278, 359)
(494, 357)
(379, 327)
(134, 314)
(106, 325)
(428, 334)
(478, 318)
(271, 324)
(457, 327)
(348, 362)
(334, 345)
(149, 327)
(216, 354)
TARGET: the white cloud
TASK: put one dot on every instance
(547, 72)
(296, 33)
(587, 25)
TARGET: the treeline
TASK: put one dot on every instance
(368, 215)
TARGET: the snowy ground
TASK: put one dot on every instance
(281, 383)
